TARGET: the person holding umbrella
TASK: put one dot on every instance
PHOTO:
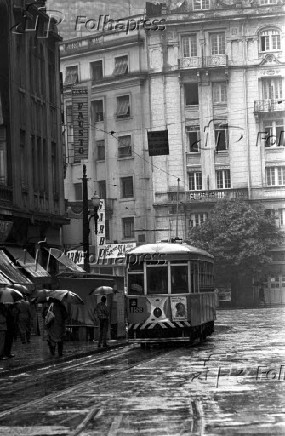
(56, 328)
(102, 313)
(24, 320)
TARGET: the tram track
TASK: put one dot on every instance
(107, 370)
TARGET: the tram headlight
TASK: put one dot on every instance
(157, 312)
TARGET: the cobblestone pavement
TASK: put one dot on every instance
(233, 384)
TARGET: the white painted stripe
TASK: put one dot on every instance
(179, 324)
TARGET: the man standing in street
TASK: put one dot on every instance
(102, 313)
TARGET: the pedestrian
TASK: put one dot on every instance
(102, 313)
(56, 328)
(24, 320)
(3, 330)
(11, 328)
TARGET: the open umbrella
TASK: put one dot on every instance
(62, 295)
(102, 290)
(9, 295)
(21, 288)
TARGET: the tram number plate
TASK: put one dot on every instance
(136, 309)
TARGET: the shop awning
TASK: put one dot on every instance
(12, 272)
(4, 280)
(37, 273)
(64, 260)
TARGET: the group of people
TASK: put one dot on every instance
(55, 325)
(15, 319)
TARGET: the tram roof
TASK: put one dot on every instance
(168, 248)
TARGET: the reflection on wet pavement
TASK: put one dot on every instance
(231, 385)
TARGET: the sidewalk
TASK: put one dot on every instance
(36, 354)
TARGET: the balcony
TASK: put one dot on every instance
(267, 106)
(210, 196)
(6, 193)
(203, 62)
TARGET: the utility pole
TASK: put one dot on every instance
(177, 206)
(85, 220)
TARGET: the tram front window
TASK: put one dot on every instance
(157, 280)
(135, 284)
(179, 279)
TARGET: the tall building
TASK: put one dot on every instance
(214, 79)
(31, 148)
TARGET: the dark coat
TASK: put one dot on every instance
(56, 330)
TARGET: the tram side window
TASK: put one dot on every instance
(179, 279)
(206, 276)
(157, 280)
(194, 277)
(135, 284)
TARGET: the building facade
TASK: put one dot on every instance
(214, 79)
(31, 149)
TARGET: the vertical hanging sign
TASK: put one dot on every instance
(80, 123)
(101, 226)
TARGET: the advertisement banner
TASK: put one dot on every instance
(101, 235)
(179, 308)
(115, 251)
(80, 123)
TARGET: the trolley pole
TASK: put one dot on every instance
(177, 206)
(85, 220)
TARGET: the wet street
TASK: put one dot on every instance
(233, 384)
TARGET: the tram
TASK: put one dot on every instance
(170, 293)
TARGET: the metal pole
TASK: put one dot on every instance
(96, 231)
(85, 221)
(177, 207)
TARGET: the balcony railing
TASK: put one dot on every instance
(6, 193)
(204, 62)
(264, 106)
(200, 196)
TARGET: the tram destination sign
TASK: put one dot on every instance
(158, 143)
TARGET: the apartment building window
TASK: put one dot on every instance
(34, 162)
(102, 189)
(196, 219)
(23, 164)
(201, 4)
(96, 68)
(219, 93)
(69, 124)
(223, 178)
(78, 191)
(272, 88)
(100, 147)
(124, 146)
(71, 75)
(267, 2)
(123, 106)
(189, 46)
(221, 137)
(127, 187)
(275, 176)
(191, 94)
(193, 133)
(121, 65)
(195, 181)
(54, 167)
(270, 40)
(274, 133)
(218, 43)
(279, 216)
(3, 154)
(97, 110)
(128, 228)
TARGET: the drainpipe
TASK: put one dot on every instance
(245, 82)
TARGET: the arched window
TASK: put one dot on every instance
(270, 40)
